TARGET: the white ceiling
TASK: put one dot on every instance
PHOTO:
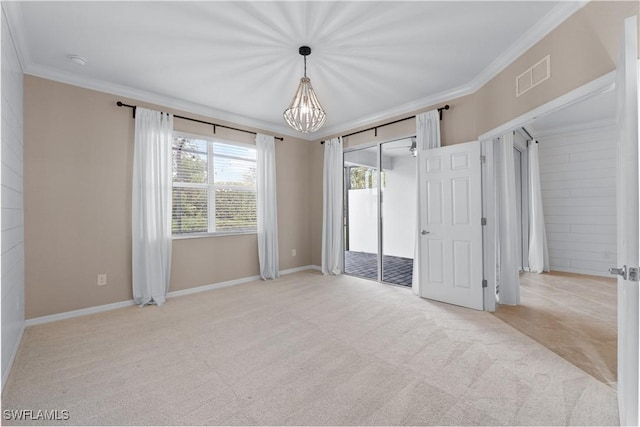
(239, 60)
(596, 110)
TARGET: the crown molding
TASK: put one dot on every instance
(556, 16)
(158, 99)
(13, 13)
(550, 21)
(407, 108)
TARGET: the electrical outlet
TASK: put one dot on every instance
(293, 252)
(102, 279)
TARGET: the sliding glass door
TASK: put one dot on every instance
(380, 211)
(398, 207)
(361, 245)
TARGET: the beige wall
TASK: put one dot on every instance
(78, 165)
(78, 161)
(458, 125)
(582, 48)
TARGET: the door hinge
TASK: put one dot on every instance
(483, 158)
(483, 221)
(484, 283)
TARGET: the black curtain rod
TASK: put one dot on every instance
(215, 125)
(375, 128)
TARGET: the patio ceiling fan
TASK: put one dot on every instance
(412, 147)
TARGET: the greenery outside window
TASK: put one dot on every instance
(214, 186)
(361, 177)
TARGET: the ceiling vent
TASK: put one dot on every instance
(535, 75)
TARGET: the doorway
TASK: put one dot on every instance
(572, 310)
(380, 211)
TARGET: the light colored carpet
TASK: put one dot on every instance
(304, 349)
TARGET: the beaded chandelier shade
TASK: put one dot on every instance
(305, 114)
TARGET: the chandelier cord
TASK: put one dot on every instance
(305, 66)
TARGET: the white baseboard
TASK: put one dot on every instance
(122, 304)
(204, 288)
(14, 352)
(298, 269)
(77, 313)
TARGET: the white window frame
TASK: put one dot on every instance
(211, 187)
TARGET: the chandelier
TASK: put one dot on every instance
(305, 114)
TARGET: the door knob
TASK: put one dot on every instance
(424, 232)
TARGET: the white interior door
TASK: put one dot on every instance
(450, 225)
(628, 229)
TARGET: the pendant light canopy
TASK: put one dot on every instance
(305, 114)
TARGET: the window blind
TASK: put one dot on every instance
(214, 187)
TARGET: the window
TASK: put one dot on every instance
(363, 177)
(214, 186)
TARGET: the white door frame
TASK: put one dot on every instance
(599, 85)
(627, 222)
(489, 208)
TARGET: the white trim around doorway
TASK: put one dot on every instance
(599, 85)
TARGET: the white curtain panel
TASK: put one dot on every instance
(332, 207)
(151, 207)
(508, 276)
(538, 251)
(427, 137)
(267, 207)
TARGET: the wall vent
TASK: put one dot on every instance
(535, 75)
